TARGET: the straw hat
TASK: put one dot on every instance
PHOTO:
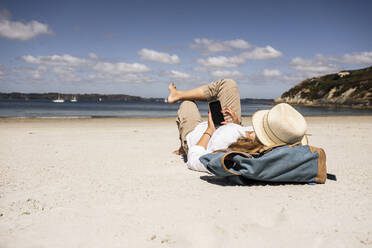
(281, 124)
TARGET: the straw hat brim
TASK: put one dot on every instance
(258, 126)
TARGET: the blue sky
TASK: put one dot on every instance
(138, 47)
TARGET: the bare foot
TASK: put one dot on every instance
(179, 151)
(176, 152)
(173, 94)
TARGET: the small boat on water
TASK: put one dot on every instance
(58, 100)
(73, 99)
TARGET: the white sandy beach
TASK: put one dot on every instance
(115, 183)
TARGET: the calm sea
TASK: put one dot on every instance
(41, 108)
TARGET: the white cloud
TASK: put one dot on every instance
(66, 60)
(178, 74)
(213, 46)
(226, 74)
(199, 69)
(294, 78)
(38, 72)
(120, 78)
(120, 68)
(361, 58)
(93, 56)
(262, 53)
(151, 55)
(132, 78)
(238, 43)
(221, 61)
(67, 74)
(21, 31)
(313, 67)
(209, 46)
(63, 70)
(75, 69)
(271, 73)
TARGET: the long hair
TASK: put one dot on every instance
(248, 145)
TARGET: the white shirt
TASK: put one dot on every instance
(221, 139)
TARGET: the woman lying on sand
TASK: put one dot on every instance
(280, 125)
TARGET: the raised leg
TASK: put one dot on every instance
(224, 90)
(196, 94)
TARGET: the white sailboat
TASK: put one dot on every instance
(73, 99)
(58, 100)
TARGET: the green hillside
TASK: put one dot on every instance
(346, 88)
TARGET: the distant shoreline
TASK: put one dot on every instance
(23, 109)
(134, 99)
(87, 118)
(99, 97)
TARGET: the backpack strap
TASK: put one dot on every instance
(269, 148)
(227, 163)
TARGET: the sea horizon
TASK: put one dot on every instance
(140, 109)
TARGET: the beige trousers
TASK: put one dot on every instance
(224, 90)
